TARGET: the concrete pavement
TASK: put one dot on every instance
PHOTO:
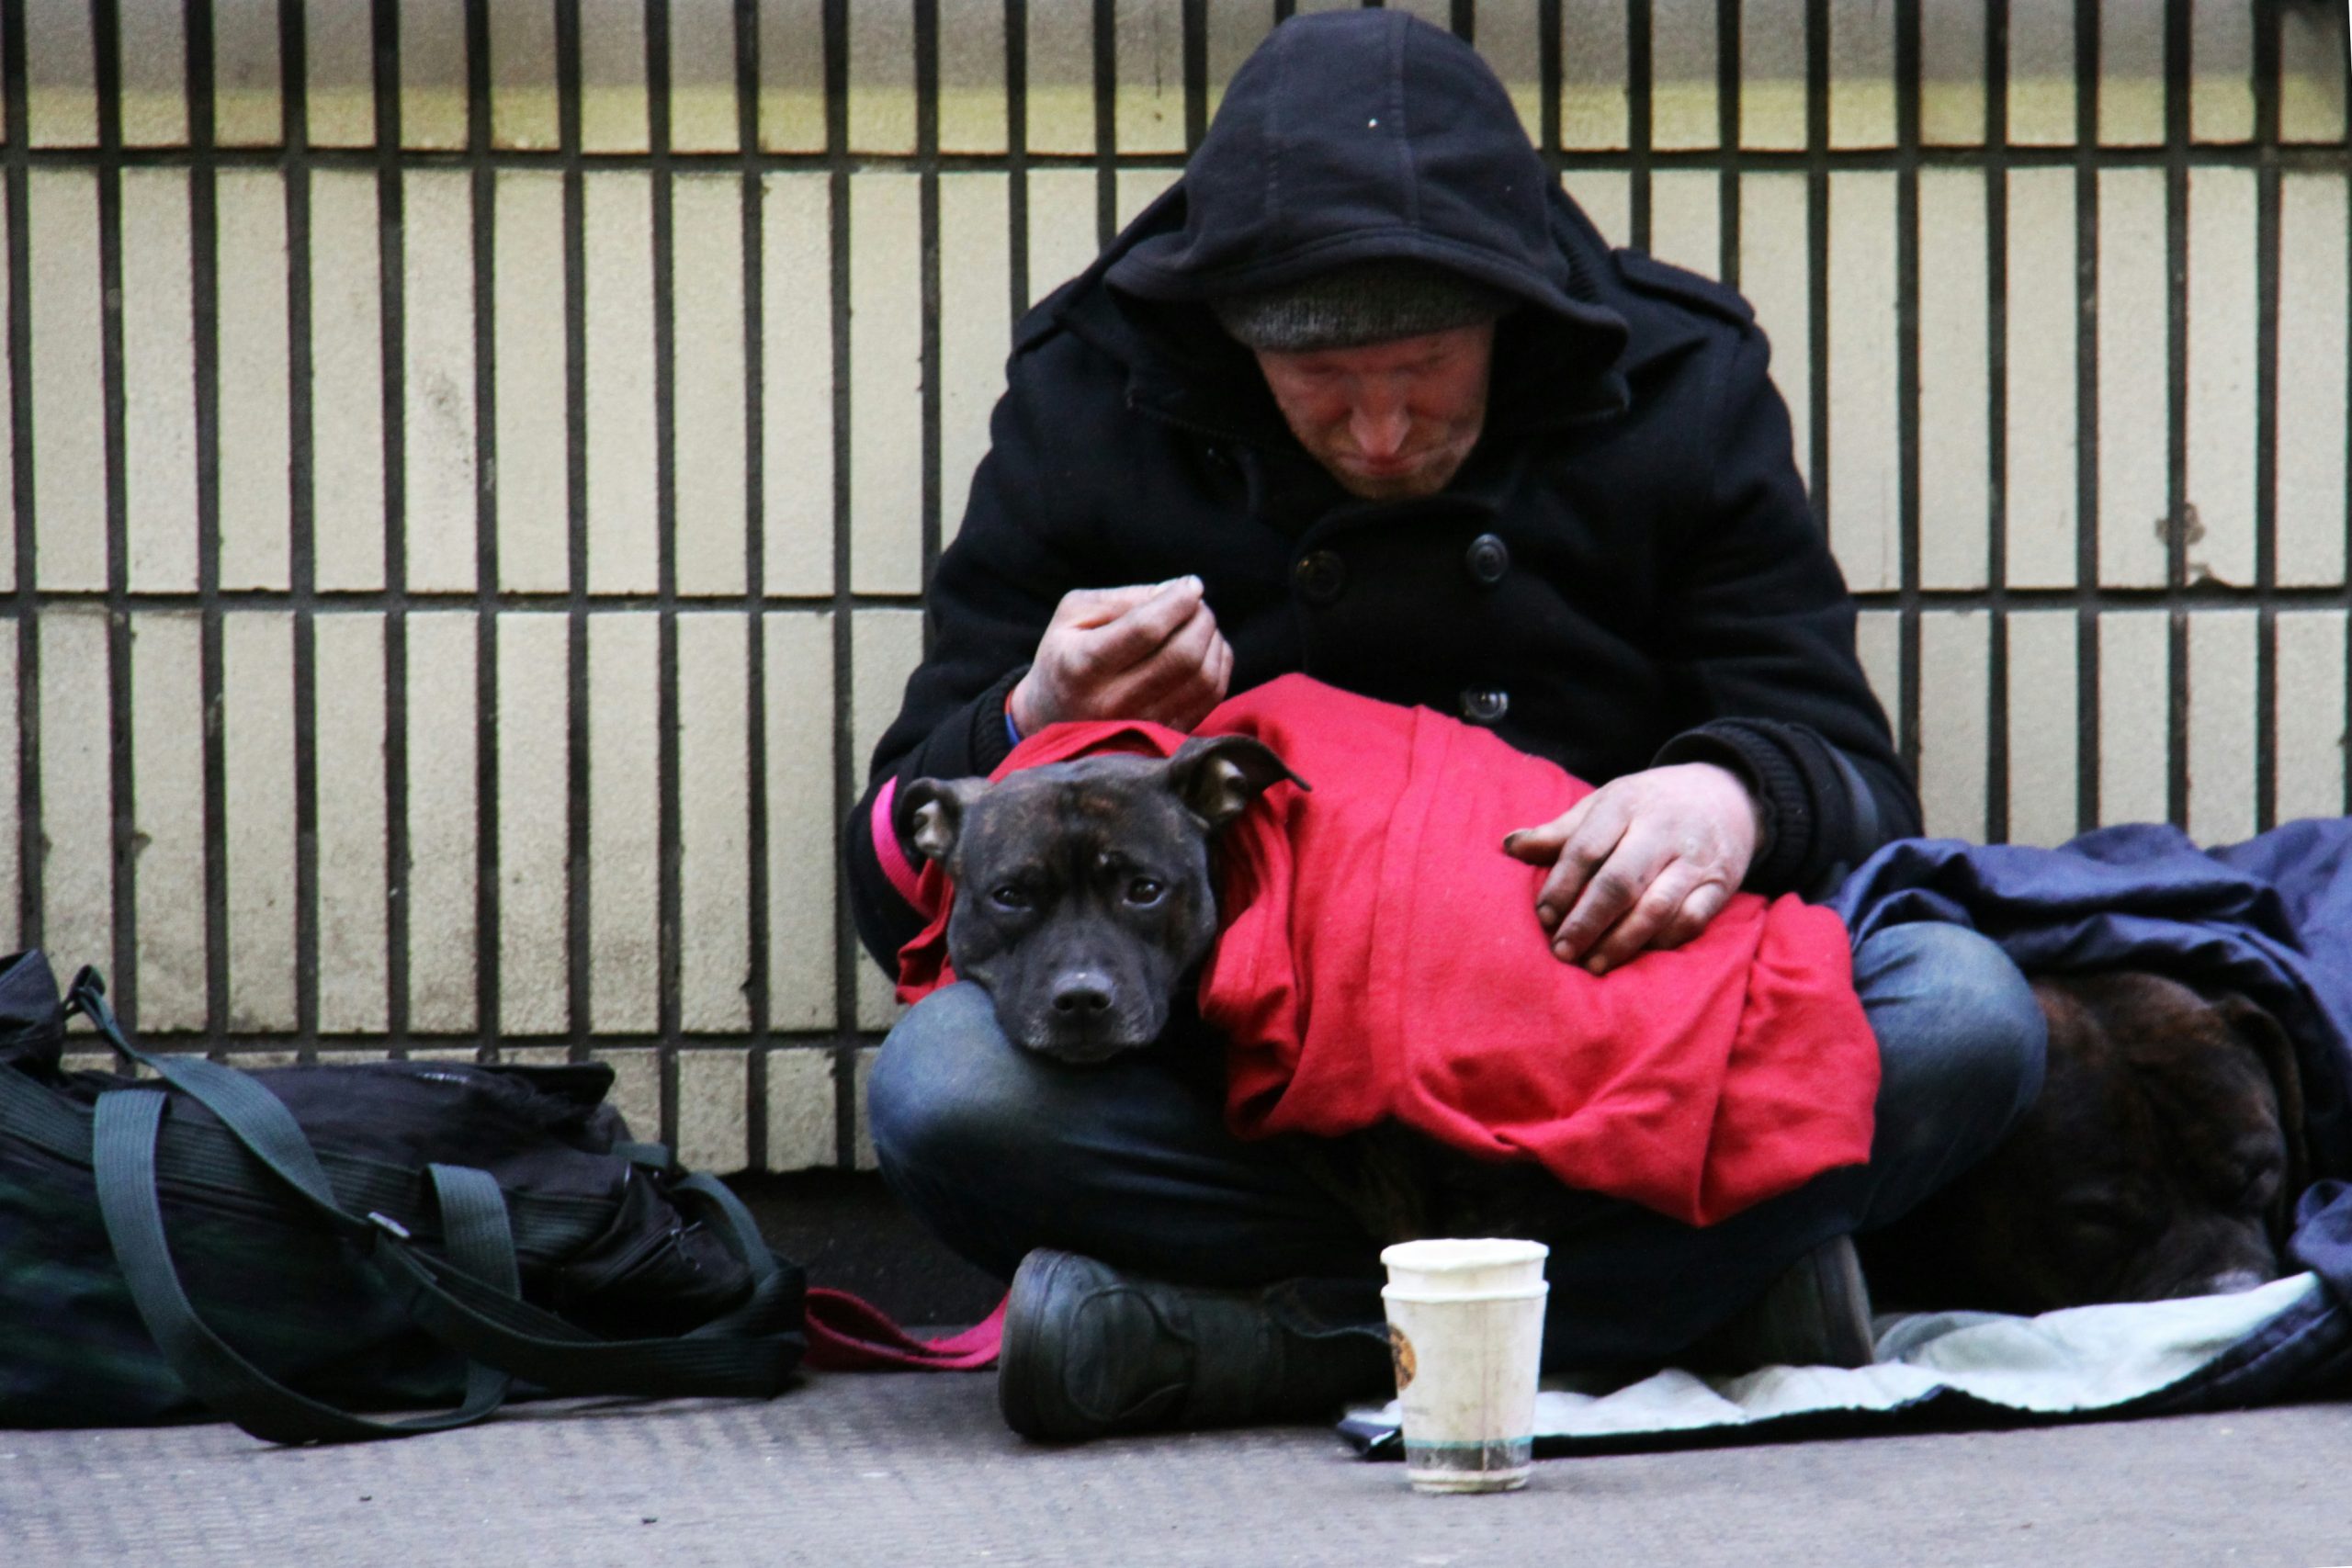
(908, 1470)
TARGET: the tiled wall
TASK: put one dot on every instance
(473, 462)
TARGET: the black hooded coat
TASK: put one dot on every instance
(1624, 573)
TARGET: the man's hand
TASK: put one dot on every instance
(1149, 651)
(1643, 861)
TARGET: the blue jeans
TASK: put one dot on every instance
(998, 1150)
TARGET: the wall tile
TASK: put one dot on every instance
(885, 383)
(1865, 474)
(2134, 715)
(1772, 67)
(885, 646)
(159, 383)
(1686, 220)
(1952, 73)
(2134, 440)
(1607, 197)
(801, 1110)
(637, 1088)
(1776, 273)
(881, 112)
(796, 385)
(2310, 73)
(525, 111)
(533, 824)
(792, 75)
(531, 482)
(2042, 111)
(61, 74)
(257, 753)
(255, 400)
(2312, 349)
(2041, 481)
(2309, 778)
(798, 769)
(346, 382)
(2222, 708)
(1147, 39)
(167, 816)
(440, 533)
(1138, 188)
(1060, 98)
(2131, 73)
(1596, 111)
(623, 818)
(862, 1145)
(1683, 101)
(69, 434)
(1878, 644)
(7, 454)
(12, 805)
(2219, 489)
(707, 381)
(715, 823)
(702, 78)
(622, 543)
(432, 74)
(339, 54)
(1063, 234)
(1954, 733)
(248, 103)
(2220, 70)
(972, 105)
(975, 327)
(152, 49)
(613, 114)
(2043, 712)
(1862, 73)
(714, 1107)
(76, 789)
(353, 913)
(1955, 380)
(442, 881)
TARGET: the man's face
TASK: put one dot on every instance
(1391, 421)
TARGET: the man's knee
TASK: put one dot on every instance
(1960, 1042)
(947, 1090)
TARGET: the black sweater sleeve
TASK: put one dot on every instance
(1762, 618)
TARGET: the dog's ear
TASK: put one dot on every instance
(929, 814)
(2254, 1025)
(1218, 776)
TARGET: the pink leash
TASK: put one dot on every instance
(848, 1334)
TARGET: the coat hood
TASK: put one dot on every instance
(1350, 135)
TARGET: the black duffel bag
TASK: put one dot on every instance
(275, 1246)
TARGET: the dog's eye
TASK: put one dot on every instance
(1146, 891)
(1009, 897)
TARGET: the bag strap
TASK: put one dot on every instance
(473, 1215)
(750, 1350)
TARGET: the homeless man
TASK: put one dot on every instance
(1365, 396)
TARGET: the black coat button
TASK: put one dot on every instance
(1488, 559)
(1485, 705)
(1320, 575)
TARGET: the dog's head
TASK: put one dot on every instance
(1083, 893)
(2162, 1159)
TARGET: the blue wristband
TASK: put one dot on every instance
(1012, 730)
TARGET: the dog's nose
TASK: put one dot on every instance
(1082, 996)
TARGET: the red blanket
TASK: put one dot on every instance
(1381, 959)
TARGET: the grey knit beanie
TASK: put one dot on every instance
(1362, 302)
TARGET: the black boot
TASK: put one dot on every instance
(1090, 1351)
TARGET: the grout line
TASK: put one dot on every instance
(1997, 760)
(293, 56)
(2177, 505)
(488, 908)
(761, 984)
(204, 295)
(123, 960)
(26, 598)
(669, 836)
(575, 401)
(845, 762)
(2087, 573)
(392, 336)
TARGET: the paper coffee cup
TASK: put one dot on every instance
(1466, 1320)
